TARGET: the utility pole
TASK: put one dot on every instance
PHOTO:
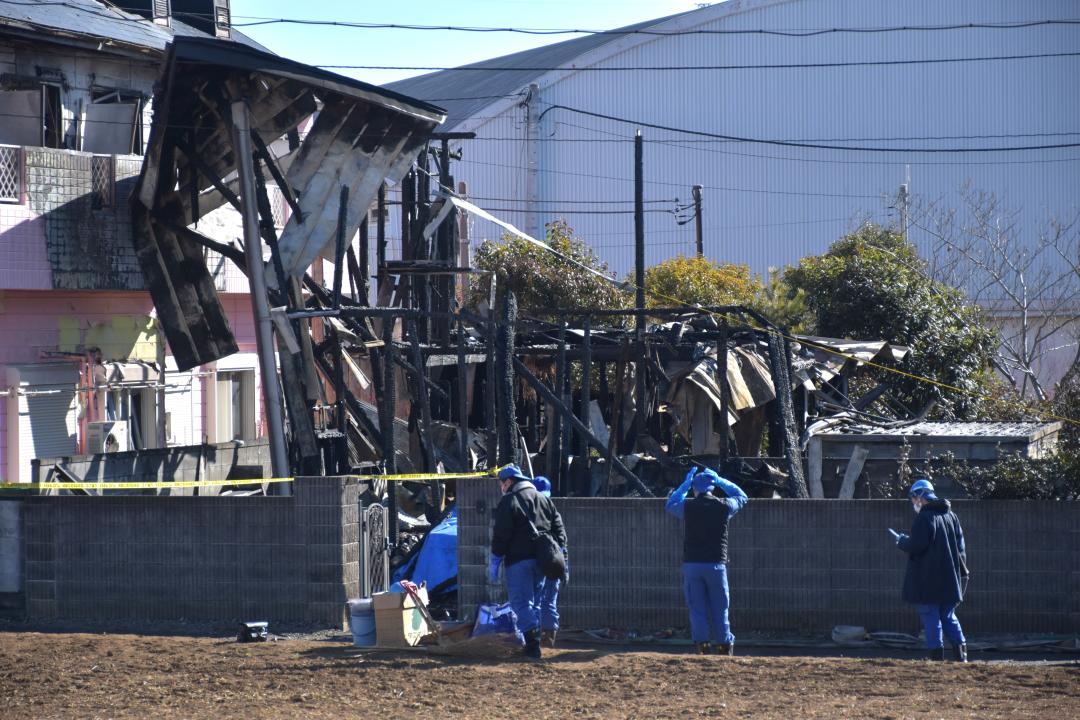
(699, 243)
(639, 281)
(904, 200)
(260, 306)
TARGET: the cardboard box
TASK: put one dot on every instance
(398, 622)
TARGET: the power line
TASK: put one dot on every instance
(681, 68)
(788, 143)
(261, 20)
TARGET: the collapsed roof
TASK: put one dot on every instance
(361, 136)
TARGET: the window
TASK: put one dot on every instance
(137, 406)
(11, 174)
(111, 122)
(103, 181)
(235, 405)
(52, 117)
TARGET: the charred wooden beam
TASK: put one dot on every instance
(586, 378)
(271, 164)
(505, 419)
(463, 398)
(725, 390)
(779, 362)
(339, 254)
(420, 396)
(579, 427)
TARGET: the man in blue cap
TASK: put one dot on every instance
(512, 542)
(937, 572)
(549, 589)
(705, 555)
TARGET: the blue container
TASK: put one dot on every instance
(362, 622)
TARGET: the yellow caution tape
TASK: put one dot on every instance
(158, 485)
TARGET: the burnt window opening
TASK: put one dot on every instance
(103, 182)
(112, 122)
(52, 117)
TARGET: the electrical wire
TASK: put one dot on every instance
(686, 68)
(260, 20)
(788, 143)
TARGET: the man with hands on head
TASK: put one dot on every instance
(705, 517)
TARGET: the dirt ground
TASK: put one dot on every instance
(111, 676)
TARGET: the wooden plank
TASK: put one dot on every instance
(851, 474)
(813, 461)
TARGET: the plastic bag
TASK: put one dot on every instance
(500, 620)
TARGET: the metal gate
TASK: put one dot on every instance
(374, 550)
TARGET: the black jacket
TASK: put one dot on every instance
(705, 538)
(512, 538)
(937, 559)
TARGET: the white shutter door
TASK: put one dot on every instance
(47, 413)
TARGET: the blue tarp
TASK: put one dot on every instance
(436, 561)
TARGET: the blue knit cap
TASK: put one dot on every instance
(543, 485)
(704, 480)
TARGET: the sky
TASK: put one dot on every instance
(324, 45)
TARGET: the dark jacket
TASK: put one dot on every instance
(705, 539)
(512, 538)
(937, 559)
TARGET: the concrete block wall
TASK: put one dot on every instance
(796, 566)
(203, 559)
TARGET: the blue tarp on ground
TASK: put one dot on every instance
(436, 561)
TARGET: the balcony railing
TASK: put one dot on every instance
(11, 173)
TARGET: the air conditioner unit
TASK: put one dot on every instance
(107, 437)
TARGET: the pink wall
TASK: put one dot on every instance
(23, 262)
(36, 322)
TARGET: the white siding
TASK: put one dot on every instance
(769, 205)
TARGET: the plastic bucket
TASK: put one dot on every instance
(362, 622)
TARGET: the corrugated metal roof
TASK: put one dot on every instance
(88, 18)
(480, 89)
(988, 431)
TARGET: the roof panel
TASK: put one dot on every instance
(478, 88)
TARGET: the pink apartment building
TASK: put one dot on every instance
(83, 365)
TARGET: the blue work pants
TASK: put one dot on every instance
(934, 617)
(549, 604)
(706, 588)
(523, 581)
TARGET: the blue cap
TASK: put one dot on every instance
(922, 488)
(511, 472)
(704, 480)
(543, 485)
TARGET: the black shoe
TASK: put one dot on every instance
(725, 649)
(547, 638)
(959, 653)
(704, 648)
(532, 644)
(936, 654)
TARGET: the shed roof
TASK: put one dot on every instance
(970, 431)
(478, 89)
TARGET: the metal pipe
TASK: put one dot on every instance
(260, 306)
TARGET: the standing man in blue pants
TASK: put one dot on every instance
(937, 572)
(705, 555)
(513, 542)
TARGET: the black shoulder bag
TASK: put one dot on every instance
(549, 555)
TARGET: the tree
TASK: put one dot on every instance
(544, 281)
(697, 281)
(872, 284)
(1028, 281)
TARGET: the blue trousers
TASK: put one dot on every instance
(706, 588)
(549, 604)
(936, 617)
(523, 582)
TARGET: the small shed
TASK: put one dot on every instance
(853, 460)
